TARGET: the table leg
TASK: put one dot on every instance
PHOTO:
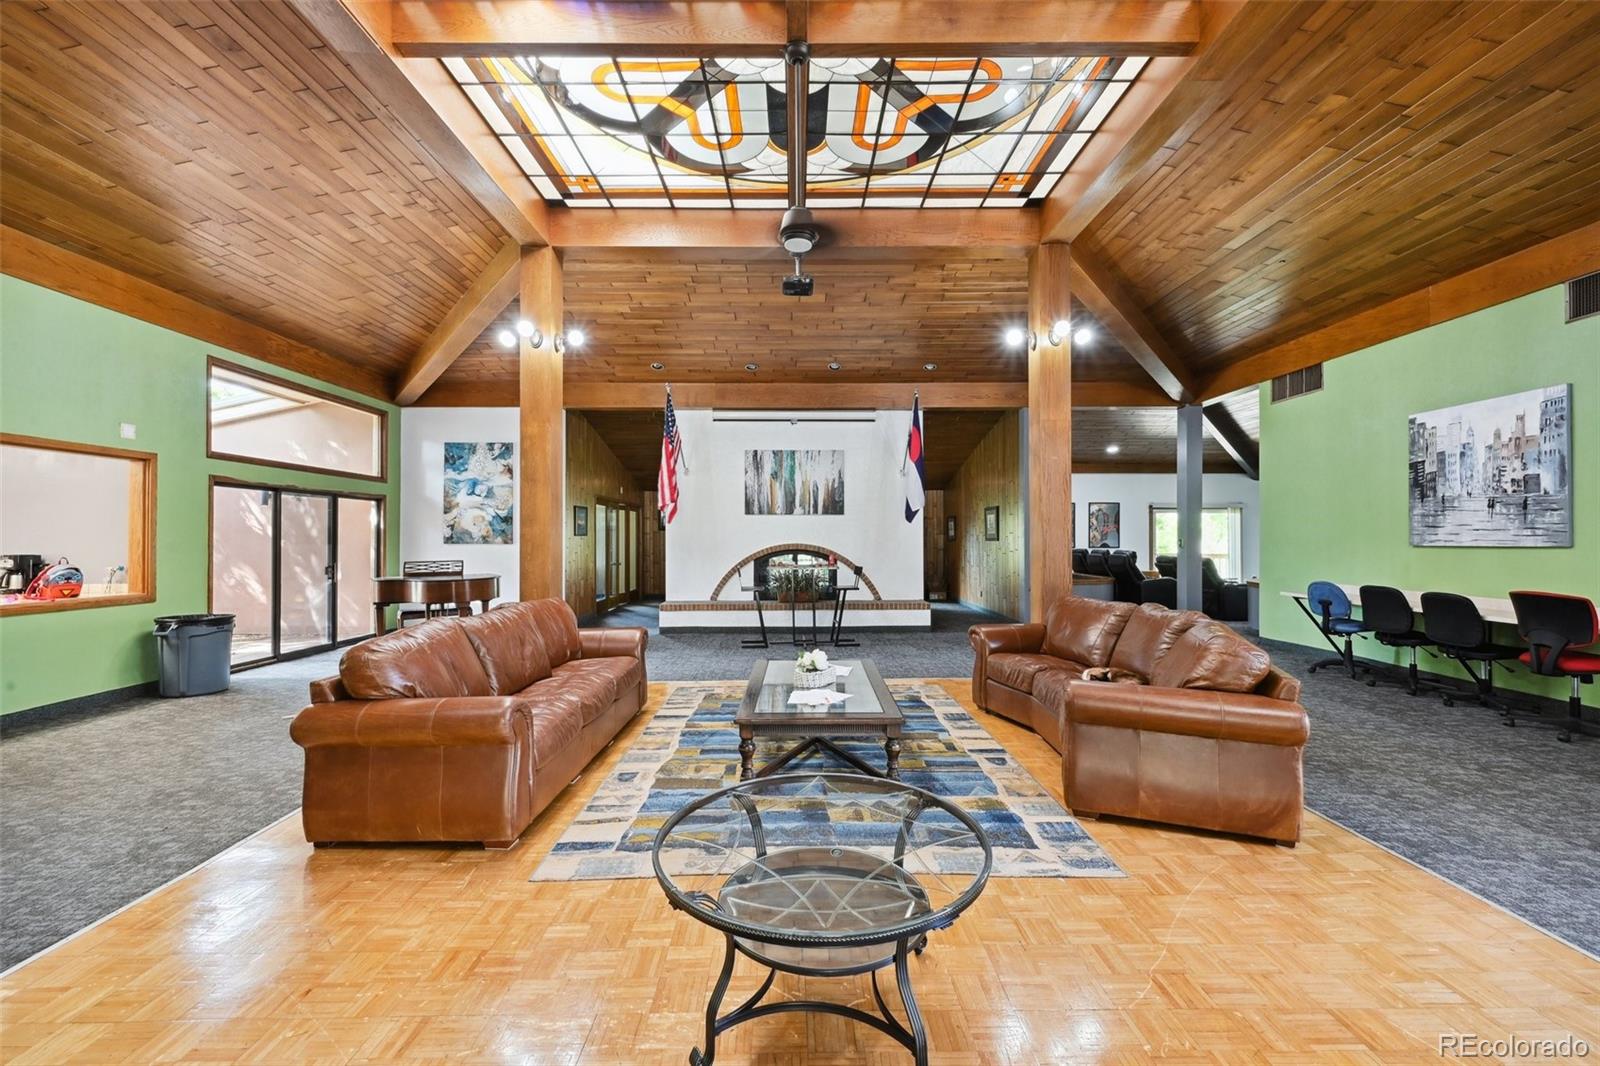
(707, 1057)
(891, 751)
(378, 616)
(747, 754)
(902, 977)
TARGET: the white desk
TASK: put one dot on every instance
(1492, 609)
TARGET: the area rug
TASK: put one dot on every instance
(691, 747)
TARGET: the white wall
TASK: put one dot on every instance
(712, 532)
(1139, 492)
(423, 433)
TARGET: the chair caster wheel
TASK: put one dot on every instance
(1449, 703)
(1511, 723)
(1372, 682)
(1565, 738)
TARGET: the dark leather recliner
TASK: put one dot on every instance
(1097, 562)
(1167, 565)
(1080, 560)
(1227, 601)
(1127, 576)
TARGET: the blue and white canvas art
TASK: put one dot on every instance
(1494, 473)
(479, 493)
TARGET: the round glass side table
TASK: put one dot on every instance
(821, 875)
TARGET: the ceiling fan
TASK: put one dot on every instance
(799, 232)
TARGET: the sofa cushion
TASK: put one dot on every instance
(559, 627)
(1211, 656)
(1082, 630)
(432, 661)
(618, 674)
(557, 720)
(1151, 632)
(1019, 669)
(510, 646)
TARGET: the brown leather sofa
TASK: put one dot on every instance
(1195, 726)
(463, 728)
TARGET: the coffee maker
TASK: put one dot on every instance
(17, 573)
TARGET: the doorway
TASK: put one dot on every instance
(295, 568)
(616, 554)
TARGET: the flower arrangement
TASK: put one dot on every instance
(812, 670)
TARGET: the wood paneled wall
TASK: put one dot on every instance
(592, 472)
(988, 573)
(935, 573)
(652, 549)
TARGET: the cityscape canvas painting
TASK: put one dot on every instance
(479, 493)
(790, 482)
(1494, 473)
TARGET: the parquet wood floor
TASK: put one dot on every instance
(1211, 950)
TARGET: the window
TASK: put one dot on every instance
(258, 419)
(1219, 536)
(81, 505)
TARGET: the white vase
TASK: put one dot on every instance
(814, 678)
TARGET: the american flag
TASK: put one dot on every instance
(667, 478)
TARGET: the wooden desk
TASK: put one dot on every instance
(1492, 608)
(431, 590)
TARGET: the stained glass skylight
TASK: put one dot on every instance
(904, 132)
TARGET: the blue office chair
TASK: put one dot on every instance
(1331, 609)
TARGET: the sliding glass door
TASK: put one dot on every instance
(295, 568)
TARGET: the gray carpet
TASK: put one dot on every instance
(674, 655)
(96, 811)
(1511, 814)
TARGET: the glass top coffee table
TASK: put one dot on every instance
(822, 875)
(869, 711)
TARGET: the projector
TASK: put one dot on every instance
(798, 285)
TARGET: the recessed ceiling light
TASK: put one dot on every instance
(751, 366)
(930, 366)
(656, 366)
(833, 366)
(1015, 336)
(1113, 449)
(506, 338)
(524, 328)
(575, 337)
(1083, 335)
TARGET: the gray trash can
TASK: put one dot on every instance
(194, 650)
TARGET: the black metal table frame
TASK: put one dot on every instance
(911, 1034)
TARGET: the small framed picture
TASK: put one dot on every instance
(991, 523)
(580, 520)
(950, 528)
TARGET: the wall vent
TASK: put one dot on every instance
(1297, 383)
(1583, 296)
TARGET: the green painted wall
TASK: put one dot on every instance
(1333, 477)
(71, 370)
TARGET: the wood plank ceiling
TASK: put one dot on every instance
(1348, 153)
(223, 151)
(704, 317)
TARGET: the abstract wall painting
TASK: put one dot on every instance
(794, 482)
(1105, 525)
(1493, 473)
(479, 493)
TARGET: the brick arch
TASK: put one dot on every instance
(774, 549)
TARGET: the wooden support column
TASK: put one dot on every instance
(542, 464)
(1049, 429)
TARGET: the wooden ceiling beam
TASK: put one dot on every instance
(1550, 263)
(1109, 301)
(1234, 440)
(969, 229)
(53, 267)
(484, 302)
(1158, 109)
(423, 96)
(648, 395)
(760, 28)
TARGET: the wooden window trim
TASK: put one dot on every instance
(213, 363)
(141, 532)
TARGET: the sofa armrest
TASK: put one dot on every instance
(603, 643)
(1190, 711)
(457, 721)
(1018, 636)
(328, 690)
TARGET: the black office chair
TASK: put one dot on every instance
(1389, 617)
(428, 568)
(1561, 632)
(1126, 576)
(1454, 624)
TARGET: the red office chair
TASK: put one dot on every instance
(1559, 630)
